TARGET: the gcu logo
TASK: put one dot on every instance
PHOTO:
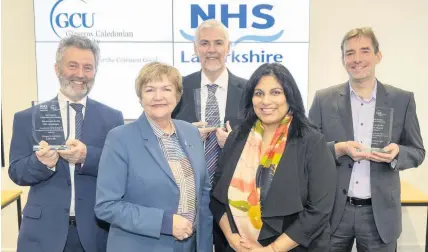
(75, 20)
(70, 20)
(259, 11)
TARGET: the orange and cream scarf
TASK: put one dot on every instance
(253, 176)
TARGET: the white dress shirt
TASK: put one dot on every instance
(62, 99)
(221, 93)
(362, 119)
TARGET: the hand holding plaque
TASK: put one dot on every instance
(47, 125)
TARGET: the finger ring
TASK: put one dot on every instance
(186, 236)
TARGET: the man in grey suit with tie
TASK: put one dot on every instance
(212, 98)
(59, 214)
(367, 205)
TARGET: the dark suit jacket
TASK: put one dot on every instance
(44, 225)
(301, 196)
(185, 109)
(331, 112)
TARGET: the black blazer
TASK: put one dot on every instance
(301, 196)
(185, 109)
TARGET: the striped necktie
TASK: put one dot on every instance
(79, 124)
(212, 117)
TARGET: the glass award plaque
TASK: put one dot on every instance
(382, 128)
(197, 95)
(47, 125)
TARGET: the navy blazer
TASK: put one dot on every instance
(136, 189)
(44, 225)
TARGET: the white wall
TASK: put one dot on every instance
(18, 89)
(401, 28)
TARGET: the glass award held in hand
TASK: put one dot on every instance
(197, 95)
(382, 129)
(47, 125)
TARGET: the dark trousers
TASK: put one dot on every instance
(220, 242)
(73, 242)
(358, 224)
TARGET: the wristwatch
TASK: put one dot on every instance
(394, 164)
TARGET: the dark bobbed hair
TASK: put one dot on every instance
(294, 99)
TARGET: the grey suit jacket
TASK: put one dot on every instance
(331, 112)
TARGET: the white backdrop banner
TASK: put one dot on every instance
(132, 33)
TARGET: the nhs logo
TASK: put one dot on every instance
(196, 12)
(255, 22)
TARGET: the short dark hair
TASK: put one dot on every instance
(294, 99)
(357, 33)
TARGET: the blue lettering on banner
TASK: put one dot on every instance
(66, 20)
(240, 57)
(75, 20)
(260, 11)
(197, 12)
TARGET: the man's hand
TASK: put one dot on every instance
(181, 227)
(222, 134)
(388, 154)
(203, 131)
(47, 156)
(353, 149)
(76, 154)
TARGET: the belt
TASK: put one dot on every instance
(359, 202)
(72, 221)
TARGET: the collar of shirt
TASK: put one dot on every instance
(222, 81)
(159, 132)
(62, 100)
(353, 93)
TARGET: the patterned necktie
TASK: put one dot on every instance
(212, 117)
(79, 124)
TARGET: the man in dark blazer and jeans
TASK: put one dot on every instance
(367, 205)
(212, 98)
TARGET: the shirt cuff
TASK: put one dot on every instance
(167, 223)
(52, 169)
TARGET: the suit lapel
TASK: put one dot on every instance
(234, 96)
(345, 111)
(91, 122)
(382, 98)
(283, 198)
(195, 80)
(188, 145)
(152, 145)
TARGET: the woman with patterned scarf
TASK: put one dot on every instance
(276, 182)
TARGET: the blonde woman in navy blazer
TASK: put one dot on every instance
(153, 186)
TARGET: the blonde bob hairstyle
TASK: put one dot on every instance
(156, 71)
